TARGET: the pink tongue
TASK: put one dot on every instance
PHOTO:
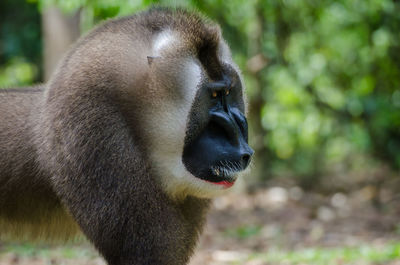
(224, 183)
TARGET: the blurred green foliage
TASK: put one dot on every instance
(323, 77)
(17, 71)
(244, 232)
(20, 43)
(324, 80)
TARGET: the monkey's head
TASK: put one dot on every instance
(198, 130)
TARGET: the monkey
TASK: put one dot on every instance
(141, 125)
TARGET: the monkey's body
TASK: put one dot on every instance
(28, 206)
(30, 209)
(116, 141)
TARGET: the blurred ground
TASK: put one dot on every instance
(275, 225)
(277, 219)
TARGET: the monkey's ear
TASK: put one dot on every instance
(150, 59)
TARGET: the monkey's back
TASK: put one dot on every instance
(24, 190)
(17, 107)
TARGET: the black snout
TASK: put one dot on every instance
(245, 160)
(243, 156)
(234, 125)
(221, 150)
(227, 123)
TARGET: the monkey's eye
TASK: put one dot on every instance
(214, 94)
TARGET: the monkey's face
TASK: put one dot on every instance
(216, 143)
(202, 134)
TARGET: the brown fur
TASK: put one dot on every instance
(28, 206)
(76, 148)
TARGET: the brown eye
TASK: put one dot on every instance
(227, 92)
(214, 94)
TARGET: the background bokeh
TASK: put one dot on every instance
(322, 78)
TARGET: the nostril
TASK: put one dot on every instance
(245, 159)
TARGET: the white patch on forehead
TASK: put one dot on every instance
(162, 41)
(224, 53)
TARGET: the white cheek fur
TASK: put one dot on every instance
(169, 131)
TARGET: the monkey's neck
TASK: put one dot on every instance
(194, 209)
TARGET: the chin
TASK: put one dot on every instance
(206, 189)
(179, 186)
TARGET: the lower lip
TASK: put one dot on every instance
(224, 183)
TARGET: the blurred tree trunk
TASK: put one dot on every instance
(59, 32)
(255, 66)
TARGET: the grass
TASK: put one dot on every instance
(68, 251)
(366, 254)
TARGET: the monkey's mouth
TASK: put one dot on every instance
(224, 183)
(220, 176)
